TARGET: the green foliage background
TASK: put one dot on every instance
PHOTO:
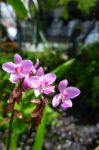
(22, 12)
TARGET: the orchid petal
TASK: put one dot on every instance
(56, 100)
(34, 82)
(27, 66)
(40, 72)
(62, 85)
(66, 104)
(15, 78)
(9, 67)
(26, 83)
(72, 92)
(17, 59)
(49, 78)
(49, 90)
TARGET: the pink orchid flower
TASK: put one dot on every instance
(41, 82)
(19, 69)
(66, 94)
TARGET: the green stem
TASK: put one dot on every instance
(13, 142)
(31, 131)
(10, 127)
(40, 133)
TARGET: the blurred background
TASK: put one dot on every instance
(64, 35)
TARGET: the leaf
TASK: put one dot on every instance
(18, 126)
(40, 132)
(27, 109)
(63, 2)
(97, 148)
(5, 121)
(36, 4)
(19, 8)
(86, 7)
(51, 115)
(61, 70)
(17, 106)
(14, 141)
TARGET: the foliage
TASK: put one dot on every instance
(85, 72)
(19, 8)
(49, 59)
(40, 133)
(62, 69)
(50, 5)
(80, 3)
(42, 127)
(86, 7)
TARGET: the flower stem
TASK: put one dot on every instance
(30, 132)
(10, 127)
(14, 140)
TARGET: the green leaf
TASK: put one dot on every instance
(86, 7)
(36, 4)
(51, 115)
(48, 117)
(62, 69)
(18, 126)
(14, 141)
(63, 2)
(19, 8)
(40, 132)
(27, 110)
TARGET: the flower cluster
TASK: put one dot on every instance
(32, 76)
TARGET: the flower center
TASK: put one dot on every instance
(44, 83)
(64, 96)
(31, 73)
(18, 69)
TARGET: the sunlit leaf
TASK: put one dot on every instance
(36, 4)
(97, 148)
(63, 2)
(62, 69)
(19, 8)
(86, 7)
